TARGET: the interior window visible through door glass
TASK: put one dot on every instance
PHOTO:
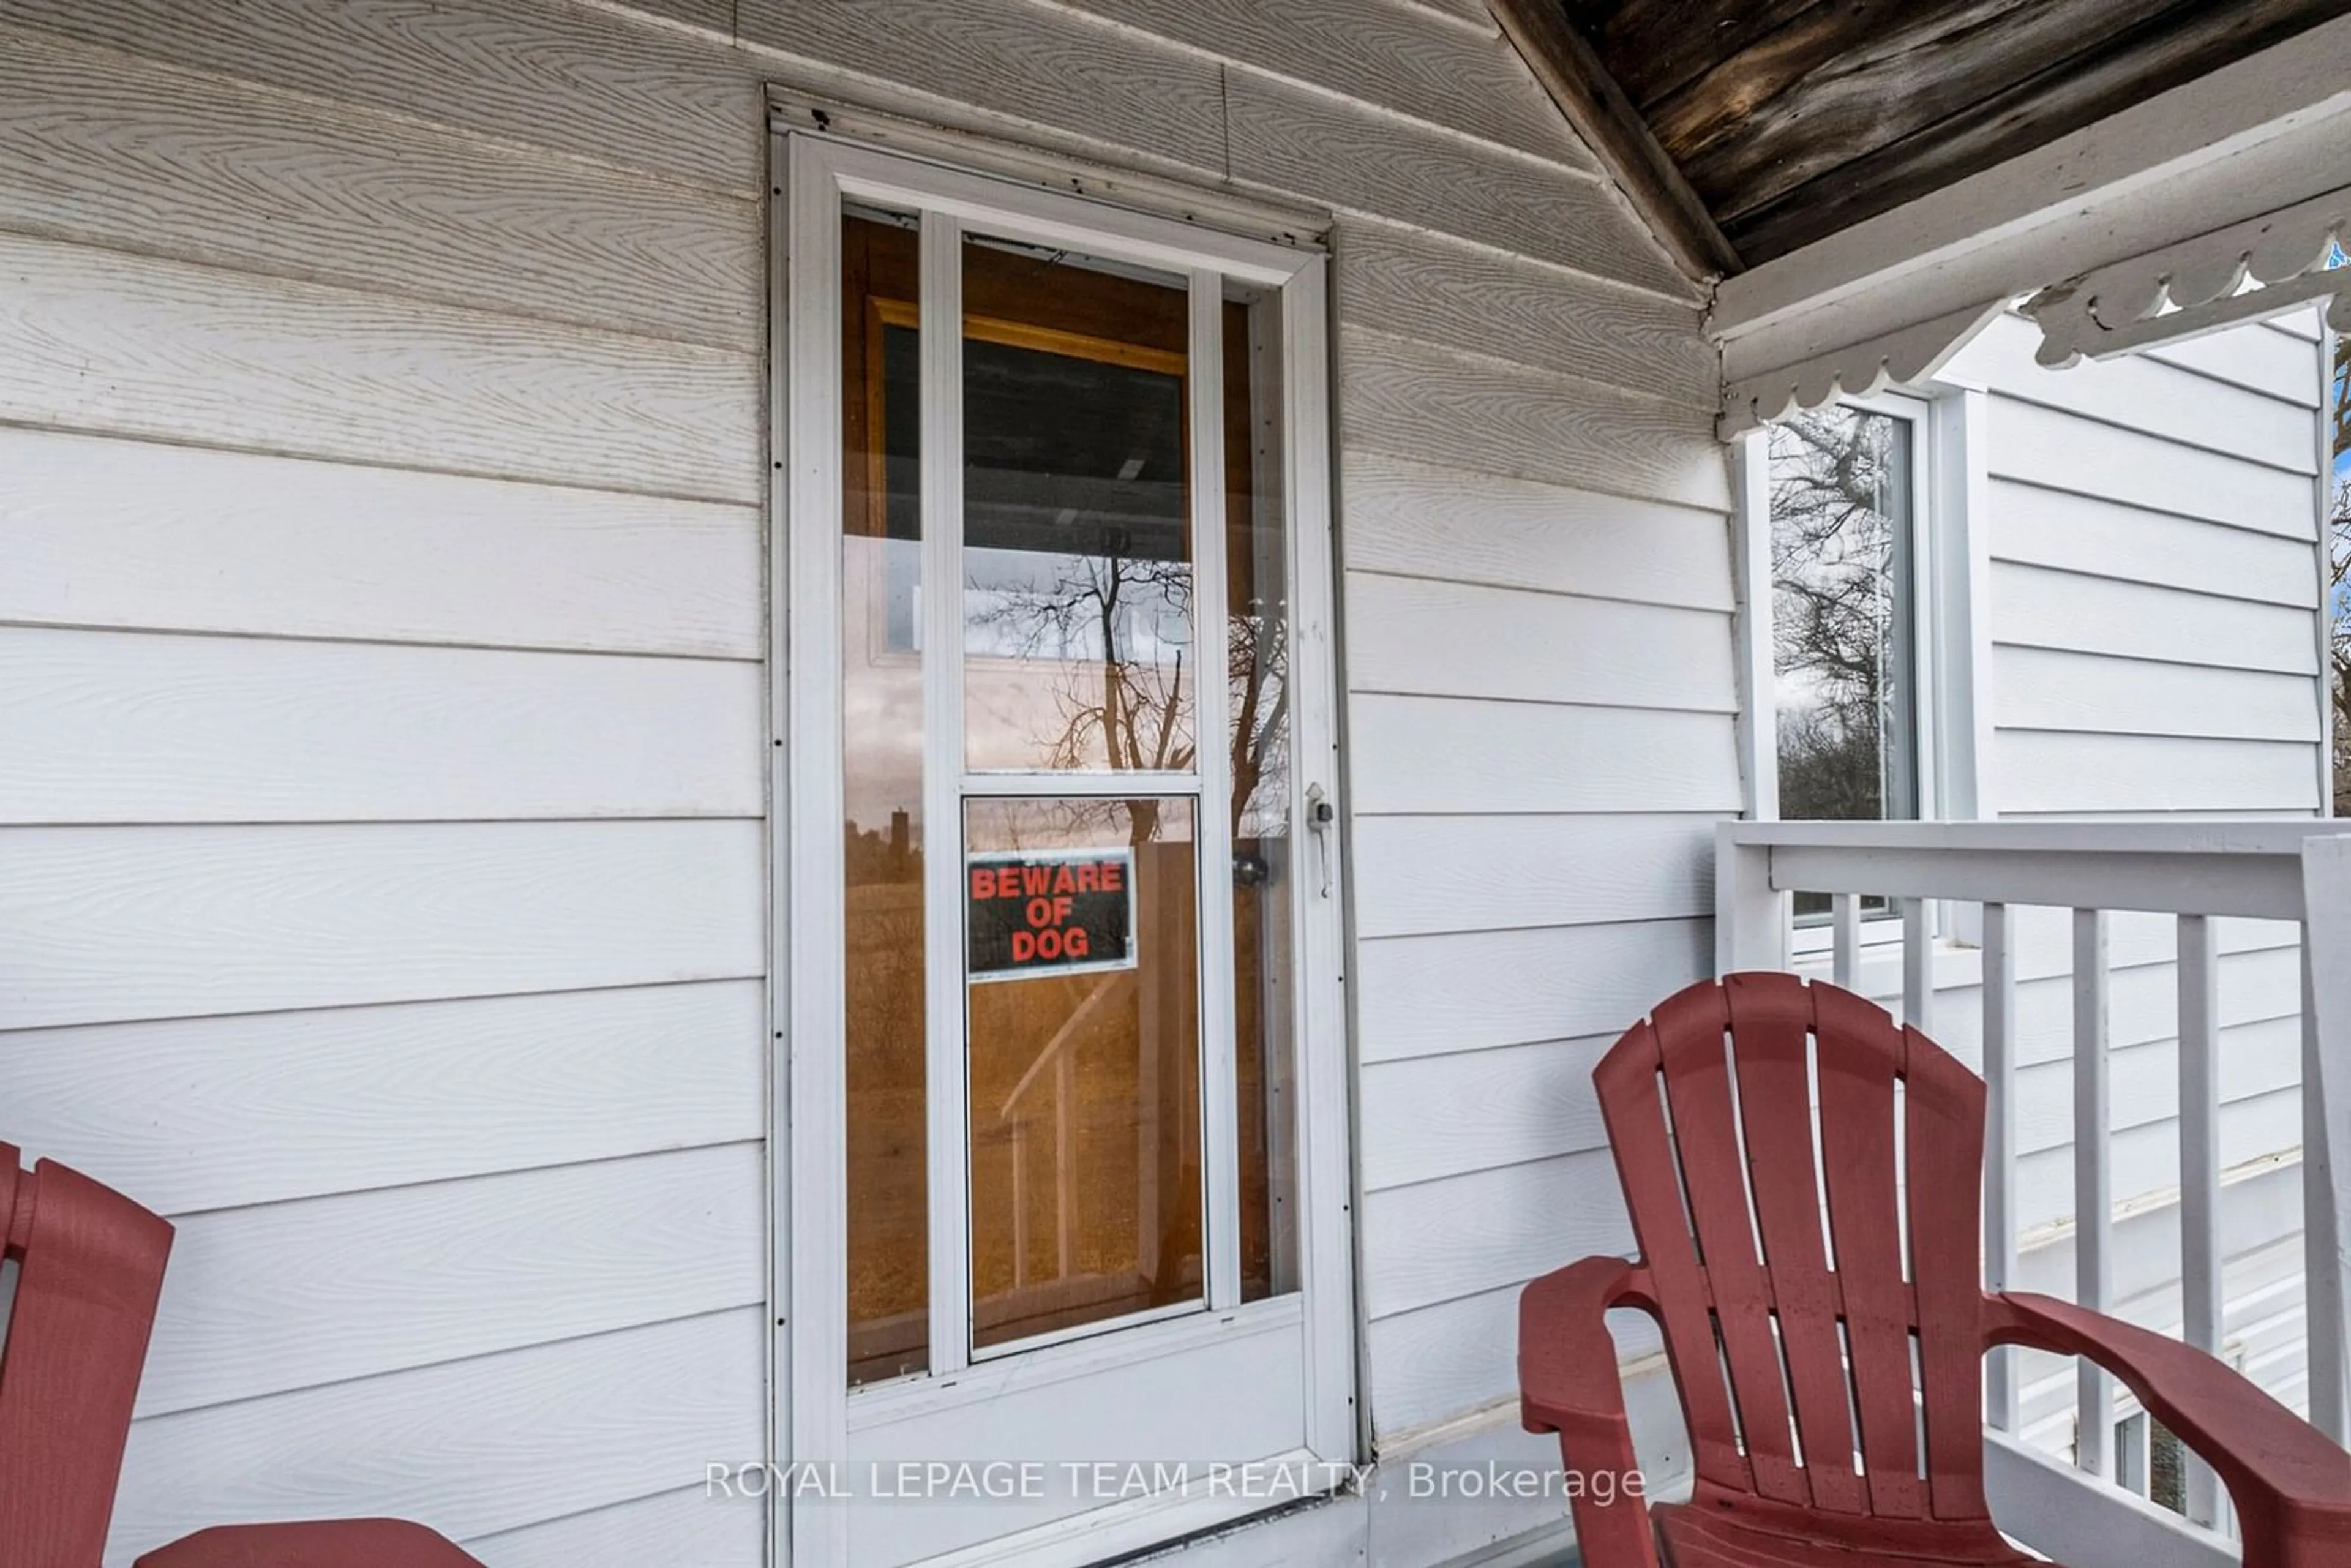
(1077, 594)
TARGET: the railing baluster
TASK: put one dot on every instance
(2325, 1013)
(1917, 966)
(1844, 923)
(2000, 1148)
(2092, 1188)
(2200, 1260)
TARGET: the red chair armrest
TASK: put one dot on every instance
(1568, 1384)
(312, 1543)
(2291, 1484)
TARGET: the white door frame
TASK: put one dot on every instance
(811, 1402)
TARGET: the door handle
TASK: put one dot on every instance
(1321, 817)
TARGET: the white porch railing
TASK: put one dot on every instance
(2195, 871)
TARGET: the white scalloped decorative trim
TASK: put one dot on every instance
(2261, 266)
(1858, 369)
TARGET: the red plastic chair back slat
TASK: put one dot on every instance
(91, 1269)
(1783, 1338)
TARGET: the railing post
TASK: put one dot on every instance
(1750, 929)
(2093, 1209)
(2327, 1114)
(2001, 1391)
(2200, 1259)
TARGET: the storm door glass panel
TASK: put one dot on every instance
(1844, 609)
(1265, 864)
(882, 729)
(1078, 588)
(1083, 1028)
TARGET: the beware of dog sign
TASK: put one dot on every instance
(1053, 912)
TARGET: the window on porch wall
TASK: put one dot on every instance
(1849, 618)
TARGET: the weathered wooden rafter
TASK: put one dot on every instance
(1584, 91)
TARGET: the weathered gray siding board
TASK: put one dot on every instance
(1413, 283)
(1412, 399)
(136, 158)
(531, 73)
(439, 333)
(1399, 57)
(1073, 76)
(105, 342)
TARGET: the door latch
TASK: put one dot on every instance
(1321, 816)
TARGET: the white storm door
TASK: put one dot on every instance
(1067, 1171)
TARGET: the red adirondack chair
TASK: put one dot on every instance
(89, 1270)
(1783, 1480)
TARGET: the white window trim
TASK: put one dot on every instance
(1950, 493)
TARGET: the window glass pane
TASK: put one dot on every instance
(882, 778)
(1077, 535)
(1257, 664)
(1842, 615)
(1085, 1042)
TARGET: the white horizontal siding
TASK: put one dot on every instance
(2051, 689)
(1432, 755)
(478, 1445)
(296, 1103)
(1419, 519)
(112, 924)
(139, 728)
(2093, 536)
(105, 342)
(2050, 447)
(1425, 875)
(2034, 607)
(115, 534)
(1423, 996)
(1443, 639)
(109, 156)
(417, 356)
(407, 1277)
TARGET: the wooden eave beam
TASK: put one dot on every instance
(1572, 73)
